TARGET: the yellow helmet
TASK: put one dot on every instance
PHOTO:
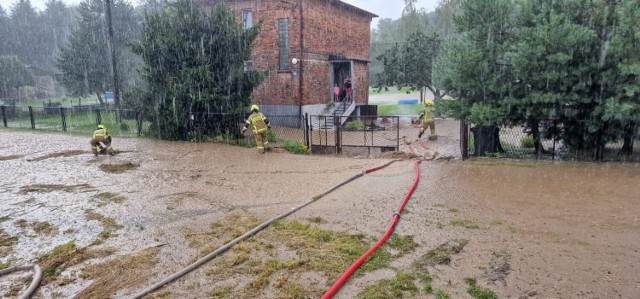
(255, 108)
(102, 127)
(428, 103)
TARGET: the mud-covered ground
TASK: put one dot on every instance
(528, 230)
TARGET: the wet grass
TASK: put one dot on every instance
(6, 243)
(11, 157)
(317, 220)
(478, 292)
(439, 255)
(397, 287)
(56, 155)
(118, 168)
(286, 247)
(65, 256)
(120, 273)
(464, 223)
(108, 197)
(46, 188)
(440, 294)
(505, 163)
(496, 222)
(221, 292)
(109, 224)
(40, 227)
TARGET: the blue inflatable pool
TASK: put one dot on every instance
(408, 102)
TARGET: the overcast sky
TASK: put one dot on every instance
(383, 8)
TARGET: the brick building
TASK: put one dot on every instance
(309, 45)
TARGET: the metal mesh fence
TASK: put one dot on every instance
(287, 131)
(120, 122)
(358, 131)
(554, 144)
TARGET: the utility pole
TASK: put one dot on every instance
(112, 48)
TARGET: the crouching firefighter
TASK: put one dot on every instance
(102, 140)
(260, 125)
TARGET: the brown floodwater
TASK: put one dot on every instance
(566, 230)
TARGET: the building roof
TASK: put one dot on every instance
(338, 3)
(354, 8)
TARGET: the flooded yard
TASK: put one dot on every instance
(111, 226)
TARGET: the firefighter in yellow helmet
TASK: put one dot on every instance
(259, 125)
(101, 139)
(428, 120)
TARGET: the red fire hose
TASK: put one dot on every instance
(396, 217)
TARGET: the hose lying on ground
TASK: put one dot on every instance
(37, 275)
(396, 217)
(250, 233)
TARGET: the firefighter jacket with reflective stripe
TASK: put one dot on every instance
(427, 114)
(100, 133)
(258, 122)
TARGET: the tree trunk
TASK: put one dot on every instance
(486, 139)
(100, 98)
(537, 140)
(629, 136)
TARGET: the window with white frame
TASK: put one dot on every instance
(247, 18)
(283, 44)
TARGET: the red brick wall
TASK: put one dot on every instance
(328, 30)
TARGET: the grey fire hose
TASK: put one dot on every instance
(250, 233)
(37, 276)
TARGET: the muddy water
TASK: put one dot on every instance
(568, 230)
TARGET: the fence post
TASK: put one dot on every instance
(33, 122)
(397, 133)
(306, 130)
(553, 154)
(139, 123)
(98, 117)
(64, 120)
(4, 116)
(464, 139)
(338, 134)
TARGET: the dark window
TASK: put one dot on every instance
(247, 18)
(283, 43)
(248, 66)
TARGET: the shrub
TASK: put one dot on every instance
(354, 125)
(271, 136)
(526, 141)
(296, 147)
(124, 127)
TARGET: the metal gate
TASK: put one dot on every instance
(353, 134)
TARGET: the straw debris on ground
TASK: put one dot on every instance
(11, 157)
(286, 246)
(120, 273)
(118, 168)
(70, 153)
(439, 255)
(65, 256)
(46, 188)
(108, 197)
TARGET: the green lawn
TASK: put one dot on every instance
(82, 122)
(392, 90)
(66, 102)
(389, 110)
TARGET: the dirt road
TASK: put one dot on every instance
(111, 226)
